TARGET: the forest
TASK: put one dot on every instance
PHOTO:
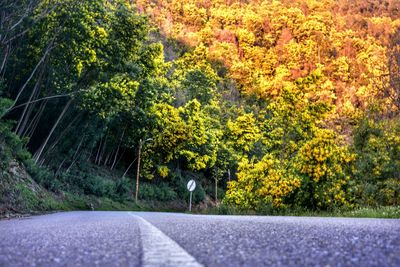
(268, 105)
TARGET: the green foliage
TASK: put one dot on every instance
(91, 184)
(378, 147)
(377, 166)
(32, 201)
(157, 192)
(123, 188)
(243, 132)
(5, 104)
(182, 133)
(42, 176)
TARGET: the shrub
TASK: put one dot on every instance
(377, 166)
(159, 192)
(123, 187)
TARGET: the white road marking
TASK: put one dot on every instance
(160, 250)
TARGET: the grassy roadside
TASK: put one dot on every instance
(29, 202)
(388, 212)
(21, 195)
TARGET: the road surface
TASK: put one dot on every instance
(169, 239)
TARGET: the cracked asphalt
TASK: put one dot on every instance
(115, 239)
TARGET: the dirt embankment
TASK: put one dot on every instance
(20, 195)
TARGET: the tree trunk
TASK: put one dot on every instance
(40, 151)
(130, 165)
(59, 167)
(49, 48)
(3, 64)
(216, 190)
(98, 151)
(35, 121)
(120, 157)
(116, 154)
(61, 135)
(75, 157)
(90, 154)
(28, 108)
(107, 159)
(103, 151)
(138, 171)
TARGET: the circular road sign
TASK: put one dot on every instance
(191, 185)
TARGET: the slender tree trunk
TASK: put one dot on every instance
(216, 190)
(90, 154)
(115, 158)
(116, 154)
(98, 151)
(49, 48)
(41, 162)
(120, 157)
(130, 165)
(59, 167)
(103, 151)
(24, 118)
(35, 121)
(138, 171)
(40, 151)
(54, 144)
(25, 121)
(38, 100)
(3, 63)
(74, 157)
(106, 159)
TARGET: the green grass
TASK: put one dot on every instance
(30, 200)
(362, 212)
(381, 212)
(389, 212)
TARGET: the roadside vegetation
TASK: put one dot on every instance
(273, 107)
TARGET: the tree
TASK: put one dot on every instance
(323, 166)
(266, 182)
(376, 170)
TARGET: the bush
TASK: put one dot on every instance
(377, 166)
(123, 187)
(89, 184)
(159, 192)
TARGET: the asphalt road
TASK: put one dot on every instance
(170, 239)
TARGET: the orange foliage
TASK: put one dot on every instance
(266, 43)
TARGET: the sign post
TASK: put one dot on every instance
(191, 185)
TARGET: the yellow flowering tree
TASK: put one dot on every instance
(322, 163)
(265, 182)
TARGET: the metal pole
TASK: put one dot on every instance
(141, 143)
(190, 202)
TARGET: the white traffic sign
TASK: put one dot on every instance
(191, 185)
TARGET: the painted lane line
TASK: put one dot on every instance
(160, 250)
